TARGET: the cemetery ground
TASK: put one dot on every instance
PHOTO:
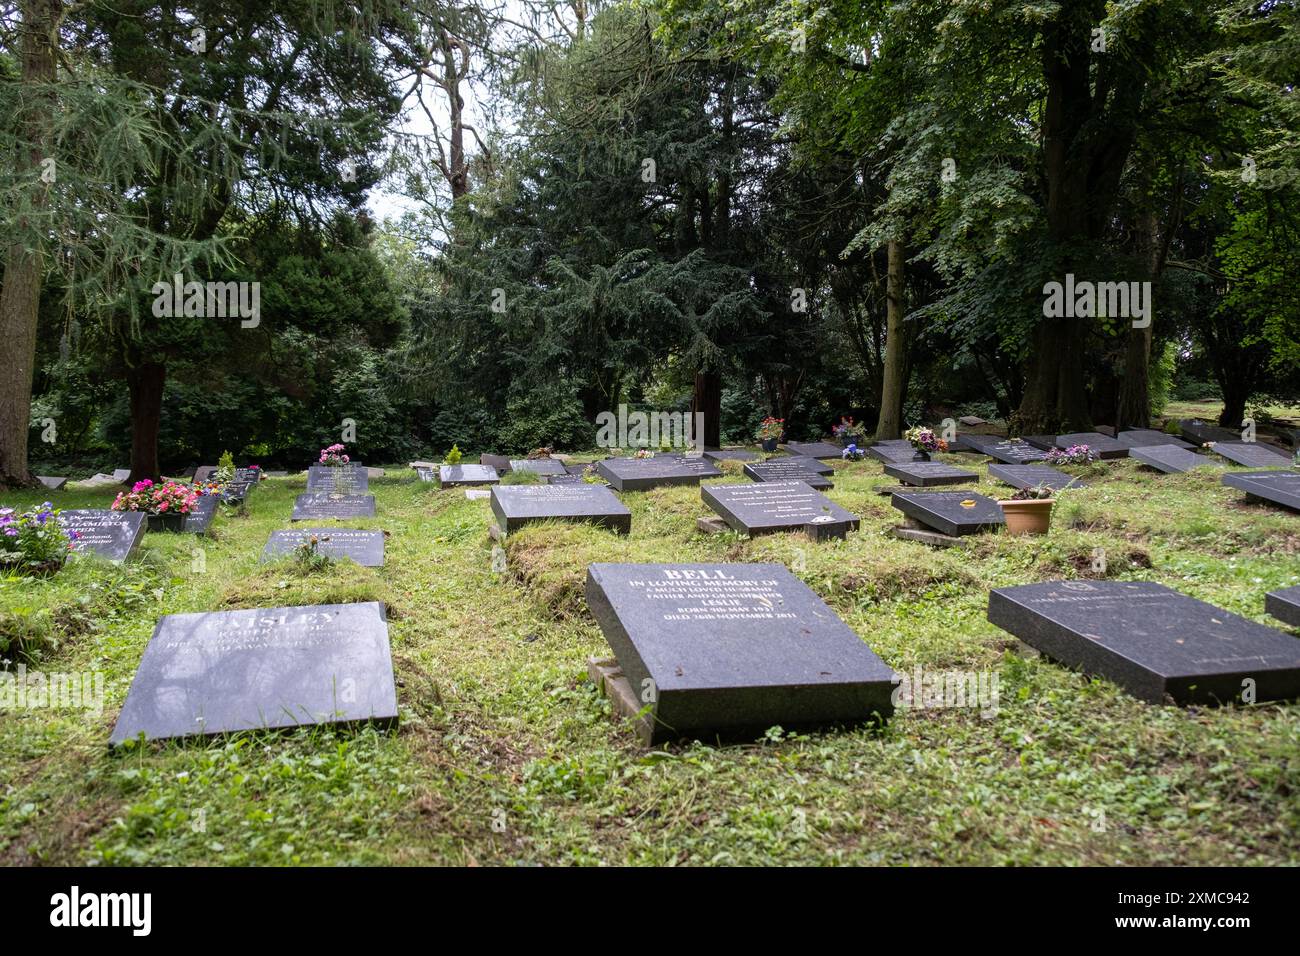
(507, 754)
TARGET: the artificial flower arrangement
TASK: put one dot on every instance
(849, 431)
(335, 456)
(852, 453)
(643, 453)
(924, 439)
(1074, 455)
(34, 540)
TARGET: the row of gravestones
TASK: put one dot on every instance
(721, 651)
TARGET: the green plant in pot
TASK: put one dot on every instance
(769, 432)
(1029, 511)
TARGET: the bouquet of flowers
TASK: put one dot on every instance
(643, 453)
(770, 428)
(169, 498)
(34, 539)
(848, 430)
(334, 456)
(1074, 455)
(852, 453)
(924, 439)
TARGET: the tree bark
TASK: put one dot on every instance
(20, 298)
(894, 377)
(145, 387)
(707, 399)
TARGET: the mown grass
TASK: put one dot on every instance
(507, 754)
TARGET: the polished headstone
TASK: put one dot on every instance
(1104, 446)
(638, 474)
(54, 484)
(538, 466)
(1041, 442)
(1284, 605)
(778, 506)
(451, 476)
(891, 454)
(927, 474)
(1279, 487)
(312, 507)
(364, 547)
(1251, 454)
(204, 472)
(518, 505)
(426, 473)
(109, 534)
(1144, 437)
(1171, 459)
(344, 479)
(1199, 432)
(808, 464)
(732, 454)
(200, 517)
(1034, 476)
(224, 671)
(1151, 640)
(814, 449)
(252, 475)
(567, 478)
(727, 651)
(785, 469)
(1011, 451)
(500, 462)
(952, 513)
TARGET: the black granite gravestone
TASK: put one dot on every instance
(54, 484)
(732, 454)
(518, 505)
(1279, 487)
(1103, 446)
(343, 479)
(1251, 454)
(200, 518)
(1011, 451)
(252, 475)
(815, 465)
(538, 466)
(891, 454)
(453, 476)
(1145, 437)
(1284, 605)
(638, 474)
(225, 671)
(1170, 459)
(204, 472)
(1041, 442)
(109, 534)
(927, 474)
(814, 449)
(772, 506)
(314, 507)
(727, 651)
(1034, 476)
(1151, 640)
(567, 478)
(366, 548)
(785, 469)
(952, 513)
(1198, 432)
(500, 462)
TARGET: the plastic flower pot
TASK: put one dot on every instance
(1033, 516)
(769, 444)
(921, 455)
(172, 521)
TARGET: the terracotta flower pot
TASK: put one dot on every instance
(1028, 517)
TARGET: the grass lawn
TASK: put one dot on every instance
(507, 754)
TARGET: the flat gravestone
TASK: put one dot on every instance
(1284, 605)
(1013, 451)
(204, 472)
(727, 651)
(1199, 432)
(109, 534)
(349, 480)
(1042, 442)
(809, 464)
(891, 454)
(785, 469)
(772, 506)
(251, 475)
(424, 473)
(538, 466)
(814, 449)
(953, 513)
(366, 548)
(638, 474)
(1171, 459)
(1034, 476)
(732, 454)
(1279, 487)
(121, 474)
(1144, 437)
(568, 478)
(453, 476)
(313, 507)
(54, 484)
(518, 505)
(1151, 640)
(927, 474)
(226, 671)
(200, 518)
(500, 462)
(234, 491)
(1251, 454)
(1104, 446)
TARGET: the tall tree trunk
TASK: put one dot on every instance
(145, 387)
(20, 298)
(708, 400)
(894, 377)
